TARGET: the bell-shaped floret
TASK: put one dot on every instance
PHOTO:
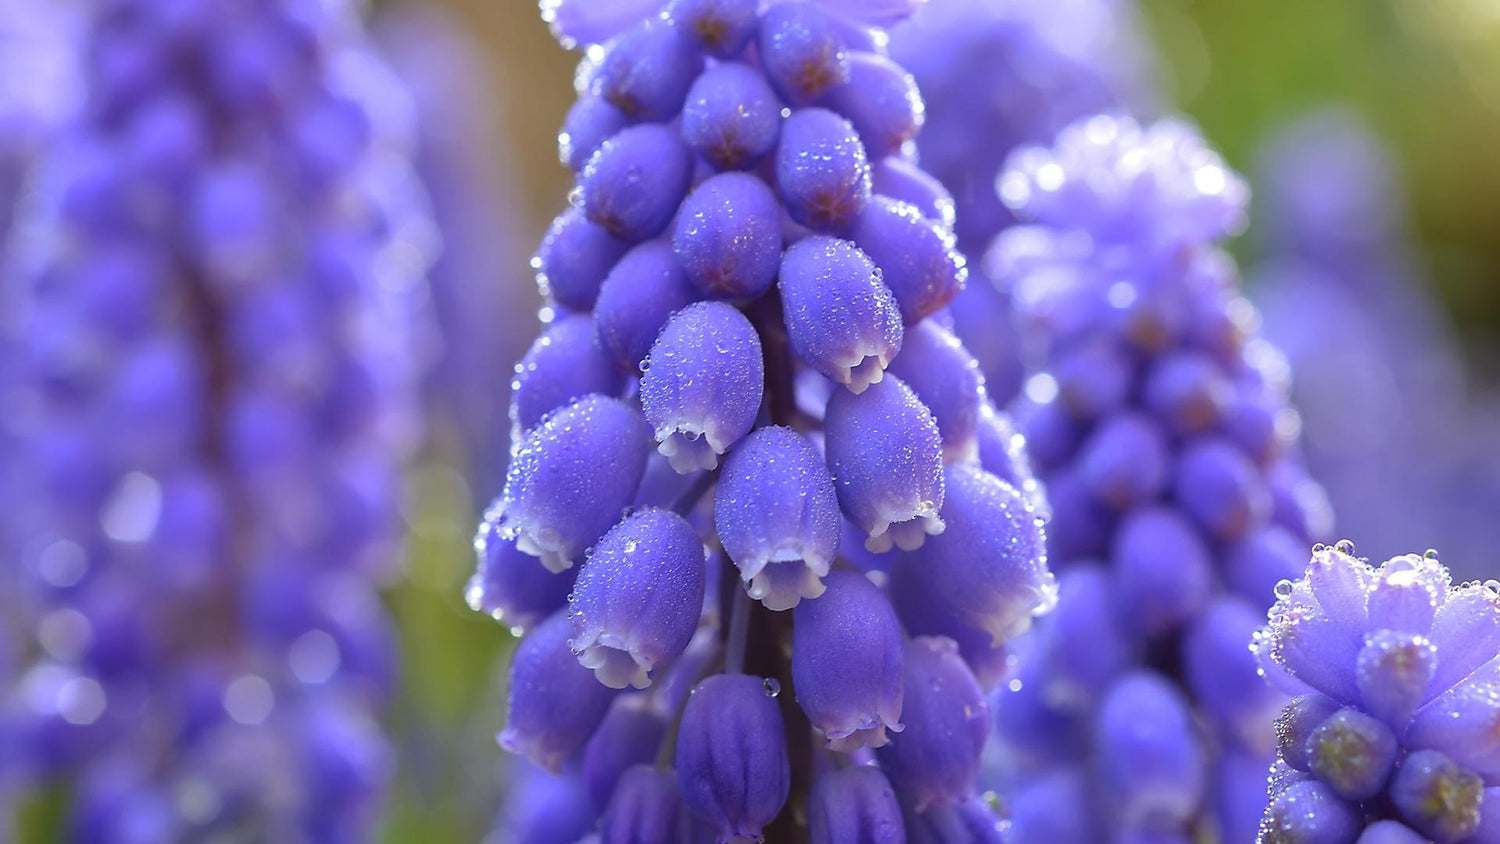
(732, 761)
(936, 758)
(846, 662)
(777, 516)
(703, 384)
(562, 364)
(638, 598)
(554, 703)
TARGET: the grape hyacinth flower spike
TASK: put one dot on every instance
(213, 325)
(730, 660)
(1161, 427)
(1392, 733)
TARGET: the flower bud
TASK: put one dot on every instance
(822, 173)
(508, 585)
(731, 755)
(1390, 832)
(989, 565)
(1162, 570)
(1352, 753)
(645, 288)
(802, 51)
(638, 598)
(721, 28)
(732, 118)
(590, 122)
(903, 181)
(646, 72)
(777, 516)
(646, 808)
(1125, 460)
(971, 821)
(846, 662)
(1187, 392)
(1308, 812)
(635, 181)
(936, 758)
(703, 384)
(1148, 759)
(886, 458)
(728, 237)
(571, 477)
(1437, 797)
(881, 99)
(1393, 672)
(1295, 725)
(947, 379)
(839, 316)
(1220, 670)
(918, 258)
(554, 703)
(1466, 632)
(855, 805)
(1220, 488)
(923, 613)
(562, 364)
(630, 734)
(574, 258)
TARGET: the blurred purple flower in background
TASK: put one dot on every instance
(1159, 422)
(997, 74)
(1394, 735)
(1343, 296)
(786, 398)
(215, 388)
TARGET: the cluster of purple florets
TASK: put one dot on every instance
(1159, 424)
(761, 518)
(1394, 734)
(210, 403)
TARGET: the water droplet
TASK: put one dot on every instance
(1492, 587)
(1284, 588)
(1346, 547)
(773, 686)
(1319, 548)
(1430, 553)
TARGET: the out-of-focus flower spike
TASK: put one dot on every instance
(1150, 764)
(571, 477)
(775, 509)
(703, 384)
(885, 454)
(637, 600)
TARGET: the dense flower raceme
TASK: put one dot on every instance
(215, 392)
(1394, 733)
(1336, 282)
(743, 422)
(1010, 72)
(1159, 423)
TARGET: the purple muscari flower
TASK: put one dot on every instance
(541, 808)
(1397, 675)
(846, 662)
(936, 758)
(638, 597)
(630, 734)
(840, 317)
(916, 255)
(722, 28)
(988, 567)
(635, 180)
(562, 365)
(855, 805)
(1045, 63)
(647, 71)
(1161, 427)
(717, 148)
(778, 517)
(508, 584)
(947, 379)
(728, 237)
(574, 258)
(555, 703)
(886, 458)
(822, 170)
(731, 755)
(571, 477)
(732, 118)
(703, 384)
(219, 366)
(643, 289)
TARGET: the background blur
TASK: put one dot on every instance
(1424, 77)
